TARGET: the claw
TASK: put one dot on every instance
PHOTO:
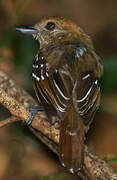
(34, 110)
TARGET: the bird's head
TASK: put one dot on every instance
(56, 31)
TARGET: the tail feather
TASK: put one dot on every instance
(71, 145)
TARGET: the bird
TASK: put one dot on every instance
(65, 73)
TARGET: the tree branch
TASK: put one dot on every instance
(17, 101)
(8, 121)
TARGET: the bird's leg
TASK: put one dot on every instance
(34, 110)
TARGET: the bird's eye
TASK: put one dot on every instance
(50, 26)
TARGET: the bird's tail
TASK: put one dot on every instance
(71, 147)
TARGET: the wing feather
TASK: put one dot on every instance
(65, 76)
(86, 92)
(51, 85)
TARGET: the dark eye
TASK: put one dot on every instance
(50, 26)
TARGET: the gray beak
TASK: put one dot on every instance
(26, 29)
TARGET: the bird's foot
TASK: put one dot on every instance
(34, 110)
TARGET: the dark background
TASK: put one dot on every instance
(22, 156)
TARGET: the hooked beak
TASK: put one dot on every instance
(26, 29)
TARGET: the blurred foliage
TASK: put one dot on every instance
(26, 51)
(109, 78)
(111, 158)
(60, 176)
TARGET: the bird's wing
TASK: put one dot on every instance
(88, 100)
(85, 69)
(68, 74)
(52, 83)
(86, 92)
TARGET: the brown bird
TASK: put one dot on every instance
(65, 73)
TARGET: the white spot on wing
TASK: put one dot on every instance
(85, 77)
(96, 82)
(35, 66)
(47, 74)
(42, 77)
(63, 164)
(71, 170)
(36, 77)
(37, 57)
